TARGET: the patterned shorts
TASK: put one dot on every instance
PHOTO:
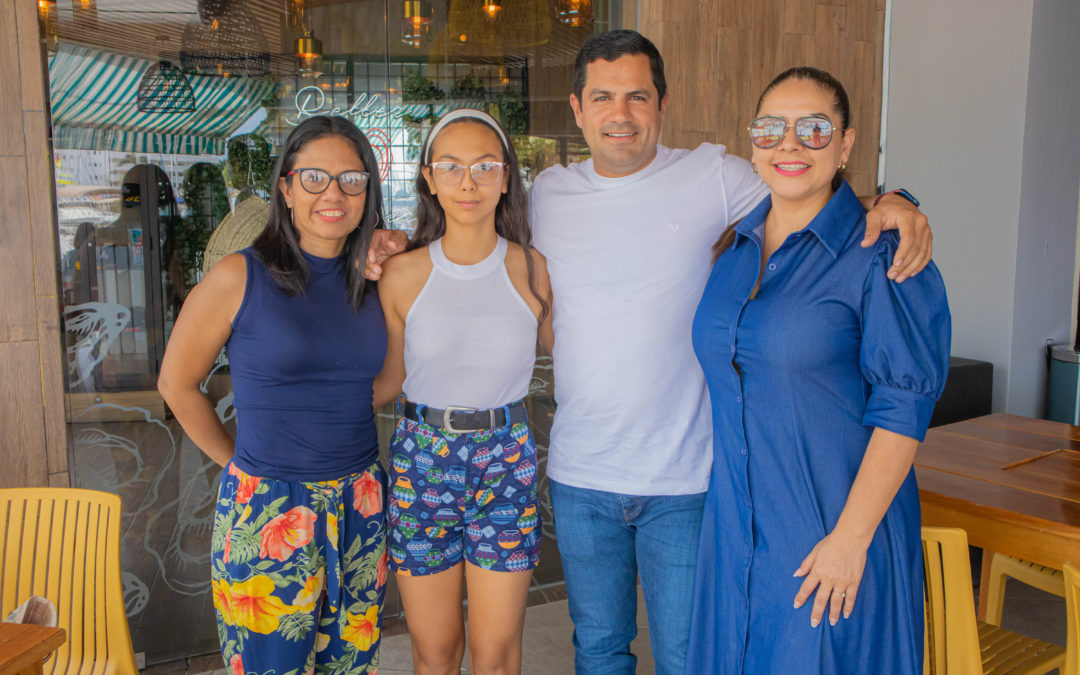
(455, 495)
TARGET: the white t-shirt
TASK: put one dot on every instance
(628, 259)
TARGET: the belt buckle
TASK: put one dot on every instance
(450, 427)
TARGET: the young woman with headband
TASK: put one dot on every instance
(463, 308)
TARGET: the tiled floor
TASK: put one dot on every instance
(547, 648)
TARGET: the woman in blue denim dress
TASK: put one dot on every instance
(822, 374)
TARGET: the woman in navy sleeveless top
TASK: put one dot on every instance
(299, 550)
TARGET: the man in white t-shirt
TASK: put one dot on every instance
(627, 235)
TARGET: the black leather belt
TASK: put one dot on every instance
(459, 420)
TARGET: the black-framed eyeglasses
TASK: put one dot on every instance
(452, 173)
(315, 181)
(813, 131)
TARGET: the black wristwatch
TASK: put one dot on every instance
(902, 192)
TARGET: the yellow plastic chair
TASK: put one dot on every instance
(1002, 566)
(957, 644)
(64, 544)
(1072, 609)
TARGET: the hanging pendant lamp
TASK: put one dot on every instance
(164, 89)
(574, 12)
(308, 55)
(226, 41)
(416, 22)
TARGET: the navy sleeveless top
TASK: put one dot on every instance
(302, 373)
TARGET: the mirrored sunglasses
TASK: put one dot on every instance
(315, 181)
(813, 131)
(452, 173)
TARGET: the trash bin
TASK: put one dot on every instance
(1064, 403)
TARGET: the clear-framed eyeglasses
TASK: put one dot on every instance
(451, 174)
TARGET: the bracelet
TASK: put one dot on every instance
(901, 192)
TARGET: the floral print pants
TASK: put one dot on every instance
(298, 571)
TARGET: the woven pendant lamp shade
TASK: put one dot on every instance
(164, 89)
(226, 41)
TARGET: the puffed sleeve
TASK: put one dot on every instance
(906, 335)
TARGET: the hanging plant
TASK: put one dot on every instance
(250, 165)
(206, 202)
(417, 89)
(469, 89)
(512, 111)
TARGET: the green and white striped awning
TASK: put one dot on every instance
(95, 107)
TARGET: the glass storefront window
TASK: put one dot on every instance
(166, 119)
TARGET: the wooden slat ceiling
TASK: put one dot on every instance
(152, 29)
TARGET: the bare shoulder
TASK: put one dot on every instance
(403, 277)
(404, 268)
(221, 291)
(228, 272)
(224, 283)
(517, 265)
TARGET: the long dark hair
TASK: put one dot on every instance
(279, 244)
(841, 104)
(511, 213)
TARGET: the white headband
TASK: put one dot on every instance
(462, 113)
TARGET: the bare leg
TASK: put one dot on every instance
(496, 619)
(433, 612)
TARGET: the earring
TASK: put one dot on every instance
(753, 167)
(841, 166)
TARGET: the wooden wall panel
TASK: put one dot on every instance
(17, 315)
(34, 442)
(22, 443)
(720, 55)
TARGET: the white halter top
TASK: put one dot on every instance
(470, 338)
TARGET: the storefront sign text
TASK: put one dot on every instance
(311, 101)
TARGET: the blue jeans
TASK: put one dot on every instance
(606, 540)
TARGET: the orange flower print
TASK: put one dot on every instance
(228, 545)
(246, 487)
(220, 589)
(363, 629)
(380, 579)
(286, 533)
(367, 495)
(305, 600)
(254, 607)
(236, 665)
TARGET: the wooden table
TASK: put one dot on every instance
(23, 648)
(1012, 482)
